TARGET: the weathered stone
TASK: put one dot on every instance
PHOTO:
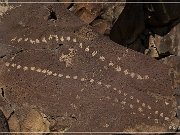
(170, 42)
(67, 3)
(138, 21)
(88, 6)
(83, 81)
(85, 15)
(87, 12)
(152, 50)
(174, 63)
(14, 124)
(112, 11)
(34, 122)
(91, 12)
(101, 25)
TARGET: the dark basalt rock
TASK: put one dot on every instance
(81, 79)
(139, 20)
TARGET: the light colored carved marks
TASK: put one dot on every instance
(5, 7)
(57, 38)
(67, 58)
(129, 101)
(112, 64)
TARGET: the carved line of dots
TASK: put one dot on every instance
(118, 68)
(102, 58)
(48, 72)
(37, 41)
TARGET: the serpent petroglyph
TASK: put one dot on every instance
(85, 48)
(142, 105)
(91, 83)
(117, 96)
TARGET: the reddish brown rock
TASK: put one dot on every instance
(67, 3)
(86, 15)
(101, 26)
(170, 42)
(79, 80)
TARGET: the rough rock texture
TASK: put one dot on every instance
(68, 78)
(174, 71)
(164, 46)
(101, 16)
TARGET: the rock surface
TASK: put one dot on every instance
(104, 13)
(69, 78)
(167, 45)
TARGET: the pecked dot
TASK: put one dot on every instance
(13, 39)
(118, 68)
(32, 42)
(38, 70)
(60, 75)
(80, 45)
(44, 71)
(55, 74)
(37, 41)
(44, 40)
(119, 91)
(49, 72)
(26, 39)
(19, 66)
(114, 88)
(67, 76)
(82, 79)
(32, 68)
(62, 39)
(100, 83)
(20, 39)
(75, 77)
(102, 58)
(50, 37)
(131, 106)
(87, 49)
(7, 64)
(74, 40)
(25, 68)
(68, 38)
(111, 63)
(94, 53)
(13, 65)
(91, 80)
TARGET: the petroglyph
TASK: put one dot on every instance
(141, 108)
(67, 58)
(4, 7)
(81, 79)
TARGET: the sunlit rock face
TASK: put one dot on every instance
(79, 79)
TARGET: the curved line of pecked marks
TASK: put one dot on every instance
(141, 108)
(86, 49)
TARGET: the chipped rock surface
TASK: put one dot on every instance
(99, 15)
(69, 78)
(164, 46)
